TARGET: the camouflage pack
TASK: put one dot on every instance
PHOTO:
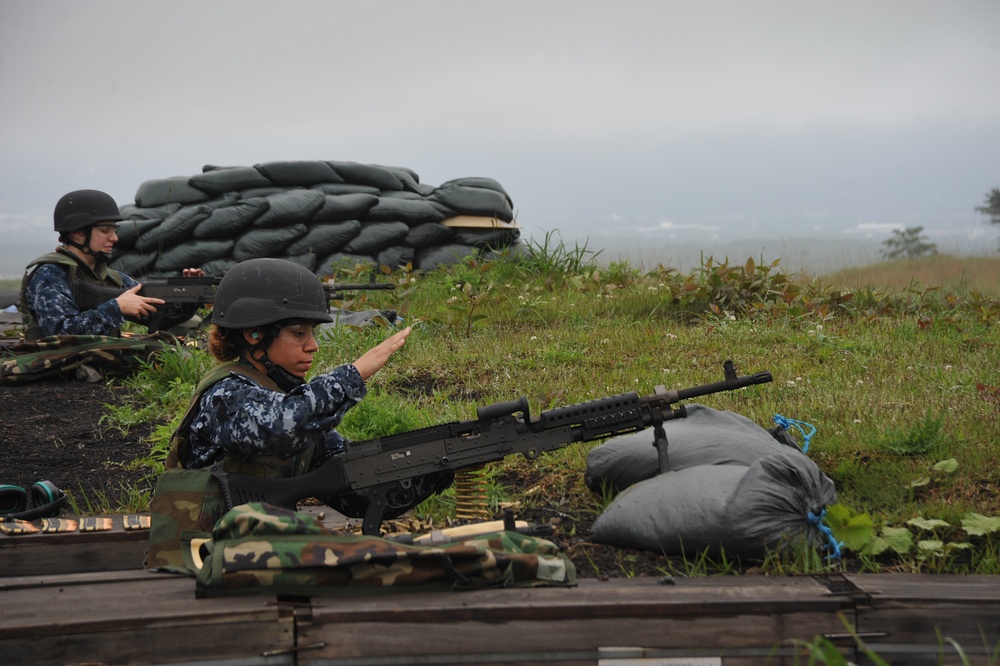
(262, 549)
(89, 357)
(186, 504)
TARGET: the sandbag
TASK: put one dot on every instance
(230, 221)
(706, 436)
(443, 255)
(218, 267)
(289, 208)
(469, 200)
(345, 188)
(367, 174)
(307, 260)
(299, 173)
(131, 230)
(411, 211)
(344, 261)
(133, 264)
(486, 238)
(168, 190)
(258, 243)
(261, 549)
(325, 238)
(394, 257)
(375, 236)
(426, 235)
(176, 228)
(229, 179)
(343, 207)
(739, 511)
(192, 253)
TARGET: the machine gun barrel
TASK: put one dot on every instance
(385, 472)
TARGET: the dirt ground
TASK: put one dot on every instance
(58, 431)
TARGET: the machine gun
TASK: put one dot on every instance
(184, 295)
(389, 475)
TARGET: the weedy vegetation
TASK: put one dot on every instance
(901, 382)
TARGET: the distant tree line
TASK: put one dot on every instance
(991, 209)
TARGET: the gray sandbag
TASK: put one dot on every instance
(341, 207)
(408, 177)
(325, 238)
(133, 212)
(411, 211)
(345, 188)
(192, 254)
(299, 173)
(344, 261)
(218, 267)
(492, 238)
(308, 260)
(426, 235)
(290, 207)
(133, 264)
(367, 174)
(228, 179)
(742, 511)
(229, 221)
(265, 192)
(706, 437)
(470, 200)
(376, 236)
(176, 228)
(258, 243)
(397, 256)
(485, 183)
(428, 258)
(130, 230)
(168, 190)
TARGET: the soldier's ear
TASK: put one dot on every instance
(252, 335)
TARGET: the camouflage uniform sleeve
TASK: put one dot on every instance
(238, 416)
(49, 297)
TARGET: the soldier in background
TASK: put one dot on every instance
(87, 224)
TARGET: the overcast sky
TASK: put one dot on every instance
(651, 120)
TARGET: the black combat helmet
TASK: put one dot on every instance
(264, 291)
(83, 208)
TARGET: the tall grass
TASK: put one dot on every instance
(894, 383)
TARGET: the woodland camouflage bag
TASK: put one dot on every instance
(258, 548)
(89, 357)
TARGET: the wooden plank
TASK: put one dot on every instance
(911, 615)
(738, 618)
(72, 553)
(135, 617)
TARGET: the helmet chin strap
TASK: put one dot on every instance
(85, 246)
(285, 380)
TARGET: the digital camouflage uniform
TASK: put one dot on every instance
(47, 303)
(242, 418)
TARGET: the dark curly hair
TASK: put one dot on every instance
(225, 343)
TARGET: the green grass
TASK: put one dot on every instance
(894, 382)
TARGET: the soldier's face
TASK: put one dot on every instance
(293, 349)
(103, 237)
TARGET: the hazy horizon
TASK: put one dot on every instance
(651, 124)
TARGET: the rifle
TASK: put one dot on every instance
(394, 473)
(184, 295)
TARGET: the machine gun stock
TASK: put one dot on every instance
(389, 473)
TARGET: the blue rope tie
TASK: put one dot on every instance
(832, 544)
(792, 423)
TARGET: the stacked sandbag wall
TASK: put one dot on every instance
(321, 214)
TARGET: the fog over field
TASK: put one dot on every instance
(654, 130)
